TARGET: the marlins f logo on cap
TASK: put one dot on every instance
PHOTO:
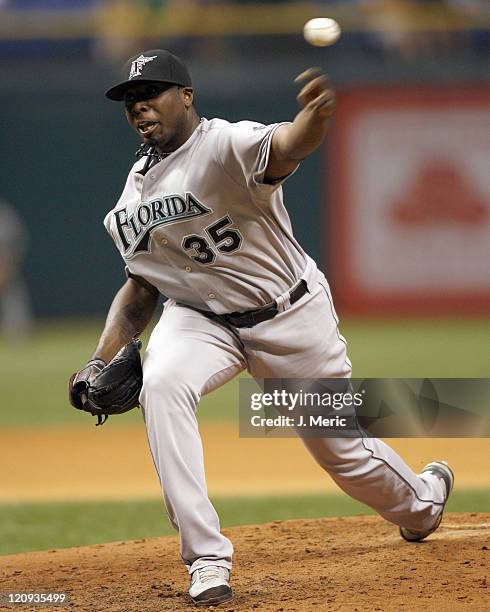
(149, 66)
(138, 64)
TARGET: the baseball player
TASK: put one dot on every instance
(15, 307)
(201, 220)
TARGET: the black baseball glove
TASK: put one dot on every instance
(104, 389)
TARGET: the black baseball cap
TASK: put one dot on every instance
(149, 66)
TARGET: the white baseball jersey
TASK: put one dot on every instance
(203, 227)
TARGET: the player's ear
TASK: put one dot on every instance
(187, 94)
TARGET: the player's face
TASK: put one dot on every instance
(158, 113)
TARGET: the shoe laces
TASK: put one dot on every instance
(209, 572)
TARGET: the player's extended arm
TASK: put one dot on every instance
(292, 142)
(129, 314)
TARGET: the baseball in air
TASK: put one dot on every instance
(321, 31)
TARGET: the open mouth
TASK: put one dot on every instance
(145, 127)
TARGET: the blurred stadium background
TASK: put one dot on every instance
(395, 207)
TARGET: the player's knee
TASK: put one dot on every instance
(167, 390)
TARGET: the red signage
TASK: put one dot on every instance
(408, 229)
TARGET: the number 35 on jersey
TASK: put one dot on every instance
(220, 237)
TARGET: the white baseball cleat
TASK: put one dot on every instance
(441, 470)
(210, 586)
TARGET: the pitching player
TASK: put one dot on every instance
(201, 220)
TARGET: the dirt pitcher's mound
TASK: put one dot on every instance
(356, 563)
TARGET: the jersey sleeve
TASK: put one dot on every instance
(244, 150)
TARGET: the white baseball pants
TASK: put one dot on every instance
(189, 355)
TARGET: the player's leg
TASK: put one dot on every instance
(187, 356)
(304, 342)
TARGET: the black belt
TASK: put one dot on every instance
(250, 318)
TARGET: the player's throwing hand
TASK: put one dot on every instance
(317, 94)
(293, 142)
